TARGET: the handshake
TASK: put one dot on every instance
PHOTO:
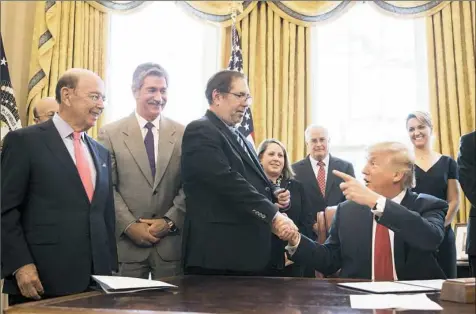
(284, 228)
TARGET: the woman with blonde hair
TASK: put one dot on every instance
(436, 175)
(274, 159)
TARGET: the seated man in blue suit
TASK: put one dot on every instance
(383, 231)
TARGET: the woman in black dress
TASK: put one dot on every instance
(273, 157)
(436, 175)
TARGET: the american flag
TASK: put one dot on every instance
(10, 117)
(236, 64)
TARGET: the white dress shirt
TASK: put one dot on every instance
(315, 167)
(155, 131)
(377, 212)
(66, 131)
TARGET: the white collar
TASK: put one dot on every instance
(398, 199)
(315, 161)
(143, 122)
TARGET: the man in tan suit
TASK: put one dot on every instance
(150, 203)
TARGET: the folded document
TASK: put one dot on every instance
(396, 286)
(394, 301)
(117, 284)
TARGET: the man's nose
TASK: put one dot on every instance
(158, 97)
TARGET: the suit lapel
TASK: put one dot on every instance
(56, 145)
(135, 144)
(330, 180)
(234, 143)
(309, 175)
(166, 148)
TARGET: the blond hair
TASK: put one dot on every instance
(422, 117)
(400, 157)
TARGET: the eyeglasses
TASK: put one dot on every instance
(49, 114)
(96, 97)
(243, 97)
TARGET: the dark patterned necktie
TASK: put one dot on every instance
(149, 147)
(241, 142)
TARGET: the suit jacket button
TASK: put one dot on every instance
(267, 189)
(155, 193)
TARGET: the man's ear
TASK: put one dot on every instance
(66, 94)
(398, 176)
(216, 95)
(135, 93)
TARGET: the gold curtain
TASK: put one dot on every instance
(276, 60)
(67, 34)
(451, 64)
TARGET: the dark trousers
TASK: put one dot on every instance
(446, 255)
(220, 272)
(472, 265)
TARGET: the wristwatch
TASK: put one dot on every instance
(172, 227)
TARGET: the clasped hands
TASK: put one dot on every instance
(148, 232)
(284, 228)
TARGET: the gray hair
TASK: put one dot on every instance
(307, 132)
(147, 69)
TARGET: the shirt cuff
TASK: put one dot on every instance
(292, 248)
(137, 220)
(379, 207)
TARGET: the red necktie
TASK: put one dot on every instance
(82, 165)
(321, 177)
(383, 266)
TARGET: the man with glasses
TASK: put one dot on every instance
(231, 208)
(45, 109)
(57, 221)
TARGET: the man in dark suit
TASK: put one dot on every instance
(467, 179)
(384, 231)
(231, 208)
(315, 171)
(57, 203)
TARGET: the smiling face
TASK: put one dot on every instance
(84, 103)
(151, 97)
(419, 132)
(318, 143)
(273, 160)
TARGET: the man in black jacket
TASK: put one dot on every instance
(57, 204)
(467, 178)
(231, 207)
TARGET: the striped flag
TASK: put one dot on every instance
(236, 64)
(10, 117)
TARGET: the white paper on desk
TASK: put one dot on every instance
(436, 284)
(394, 301)
(118, 284)
(385, 287)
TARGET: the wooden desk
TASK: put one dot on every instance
(222, 295)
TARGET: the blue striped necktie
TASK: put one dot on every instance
(241, 142)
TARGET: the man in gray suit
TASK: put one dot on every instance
(150, 203)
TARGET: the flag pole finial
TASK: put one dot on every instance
(236, 7)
